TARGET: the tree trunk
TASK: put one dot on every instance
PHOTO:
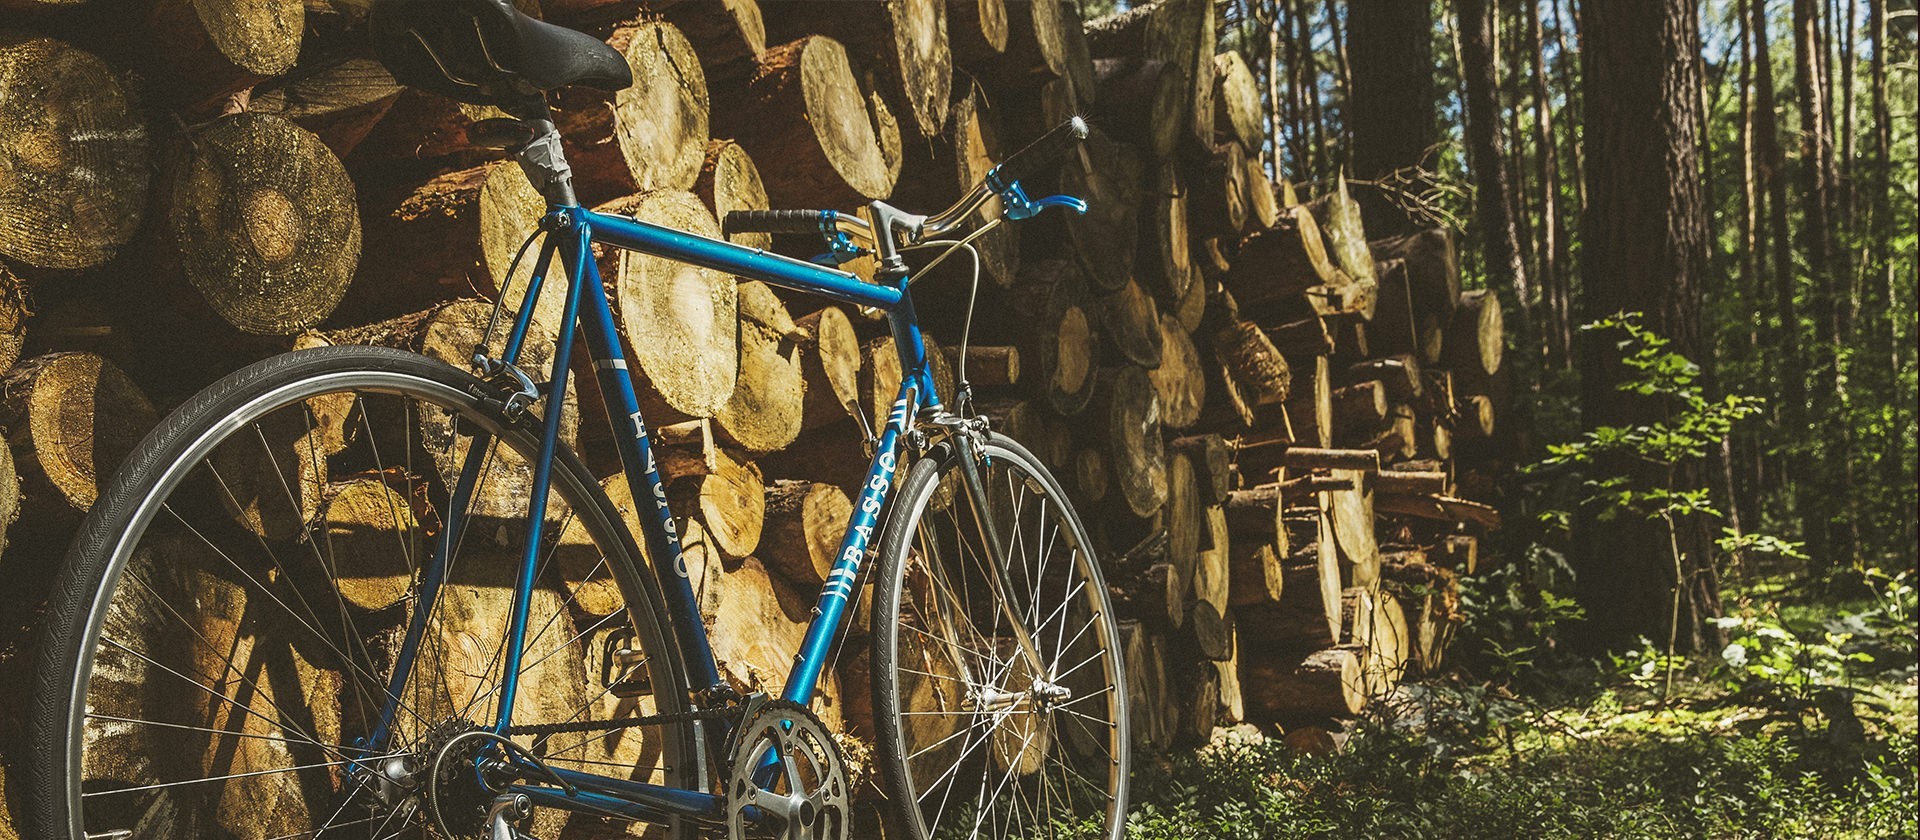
(1127, 413)
(71, 418)
(767, 406)
(730, 181)
(1642, 171)
(1395, 117)
(208, 49)
(1181, 379)
(804, 523)
(1492, 183)
(907, 39)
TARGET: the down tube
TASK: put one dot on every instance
(853, 548)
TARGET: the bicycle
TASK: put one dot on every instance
(289, 607)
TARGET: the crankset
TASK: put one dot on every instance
(786, 777)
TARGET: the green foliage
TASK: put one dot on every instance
(1693, 424)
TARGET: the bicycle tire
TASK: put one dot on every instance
(136, 513)
(927, 520)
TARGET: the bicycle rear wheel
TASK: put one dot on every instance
(996, 691)
(224, 640)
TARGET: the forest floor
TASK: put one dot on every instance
(1804, 727)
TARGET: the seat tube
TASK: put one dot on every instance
(542, 481)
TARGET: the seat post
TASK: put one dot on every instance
(545, 163)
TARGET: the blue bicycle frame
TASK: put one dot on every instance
(570, 231)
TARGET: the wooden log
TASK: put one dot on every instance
(806, 107)
(804, 523)
(1062, 342)
(1305, 337)
(262, 220)
(208, 49)
(1476, 417)
(340, 104)
(725, 34)
(1399, 375)
(977, 31)
(1411, 482)
(1233, 704)
(1217, 201)
(1127, 413)
(71, 418)
(1185, 518)
(1143, 103)
(829, 367)
(1212, 463)
(1256, 575)
(1255, 373)
(448, 333)
(1400, 326)
(1308, 617)
(1107, 174)
(1236, 101)
(1130, 325)
(1438, 508)
(1178, 32)
(1277, 265)
(730, 181)
(461, 230)
(987, 367)
(1476, 339)
(1213, 633)
(680, 321)
(1303, 458)
(1036, 46)
(1263, 207)
(1459, 552)
(1165, 247)
(651, 136)
(1351, 511)
(731, 502)
(1256, 515)
(1429, 597)
(1091, 475)
(765, 410)
(1145, 667)
(1398, 440)
(1191, 309)
(1311, 407)
(1326, 683)
(1432, 271)
(358, 524)
(880, 376)
(13, 317)
(1213, 572)
(906, 41)
(1338, 216)
(1362, 404)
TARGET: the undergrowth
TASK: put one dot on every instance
(1804, 726)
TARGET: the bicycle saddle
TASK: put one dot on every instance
(486, 52)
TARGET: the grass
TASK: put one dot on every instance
(1603, 770)
(1593, 750)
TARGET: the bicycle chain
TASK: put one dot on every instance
(578, 726)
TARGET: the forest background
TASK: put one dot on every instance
(1701, 217)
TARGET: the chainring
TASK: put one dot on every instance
(808, 795)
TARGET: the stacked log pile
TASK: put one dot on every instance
(1255, 406)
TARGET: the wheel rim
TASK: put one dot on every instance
(230, 678)
(994, 741)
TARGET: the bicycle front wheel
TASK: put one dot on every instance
(266, 629)
(996, 679)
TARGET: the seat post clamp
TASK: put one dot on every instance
(545, 163)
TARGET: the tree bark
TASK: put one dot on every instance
(1395, 117)
(1642, 86)
(1492, 181)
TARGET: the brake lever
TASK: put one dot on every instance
(1017, 207)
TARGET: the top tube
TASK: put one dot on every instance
(783, 271)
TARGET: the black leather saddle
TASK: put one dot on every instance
(486, 52)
